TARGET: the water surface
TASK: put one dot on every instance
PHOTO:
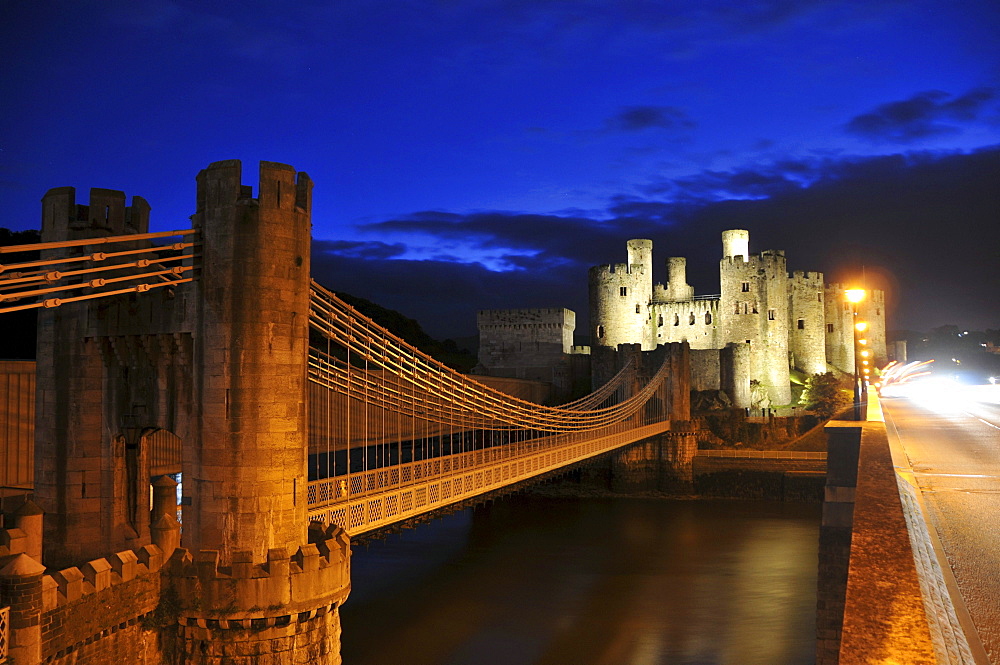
(590, 581)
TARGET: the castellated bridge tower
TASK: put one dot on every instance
(753, 306)
(246, 479)
(620, 295)
(221, 364)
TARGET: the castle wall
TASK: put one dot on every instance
(529, 344)
(694, 321)
(518, 337)
(705, 369)
(807, 322)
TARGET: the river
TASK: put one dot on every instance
(537, 580)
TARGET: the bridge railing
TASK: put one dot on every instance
(366, 501)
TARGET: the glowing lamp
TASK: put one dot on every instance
(861, 326)
(855, 295)
(865, 353)
(862, 341)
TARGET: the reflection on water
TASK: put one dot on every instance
(546, 581)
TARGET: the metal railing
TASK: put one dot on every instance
(363, 502)
(4, 633)
(763, 454)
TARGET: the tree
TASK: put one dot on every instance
(824, 395)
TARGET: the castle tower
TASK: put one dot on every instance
(839, 333)
(753, 308)
(677, 288)
(245, 481)
(872, 310)
(82, 463)
(620, 295)
(806, 324)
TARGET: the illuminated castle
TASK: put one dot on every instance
(761, 325)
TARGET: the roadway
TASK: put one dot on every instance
(952, 440)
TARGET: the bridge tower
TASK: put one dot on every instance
(221, 362)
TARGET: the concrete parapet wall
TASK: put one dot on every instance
(884, 616)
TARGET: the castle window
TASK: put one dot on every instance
(772, 314)
(623, 291)
(708, 318)
(691, 319)
(600, 332)
(829, 328)
(802, 324)
(755, 308)
(746, 287)
(637, 308)
(659, 322)
(878, 311)
(819, 297)
(677, 320)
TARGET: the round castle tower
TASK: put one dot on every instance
(807, 322)
(619, 298)
(753, 308)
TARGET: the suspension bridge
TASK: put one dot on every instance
(391, 432)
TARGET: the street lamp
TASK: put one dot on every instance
(854, 296)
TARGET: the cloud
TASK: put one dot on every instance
(638, 118)
(915, 223)
(367, 250)
(928, 113)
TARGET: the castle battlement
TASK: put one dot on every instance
(280, 187)
(768, 259)
(805, 276)
(284, 586)
(69, 585)
(617, 269)
(105, 213)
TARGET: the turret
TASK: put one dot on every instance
(736, 242)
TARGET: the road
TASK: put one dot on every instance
(952, 440)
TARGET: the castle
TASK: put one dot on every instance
(745, 341)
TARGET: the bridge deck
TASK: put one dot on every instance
(363, 502)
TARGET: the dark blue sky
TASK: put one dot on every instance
(479, 154)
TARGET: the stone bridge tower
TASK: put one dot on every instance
(221, 362)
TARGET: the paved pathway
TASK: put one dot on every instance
(952, 441)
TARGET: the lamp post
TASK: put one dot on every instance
(854, 296)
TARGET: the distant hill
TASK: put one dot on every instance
(448, 351)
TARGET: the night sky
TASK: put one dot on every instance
(483, 154)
